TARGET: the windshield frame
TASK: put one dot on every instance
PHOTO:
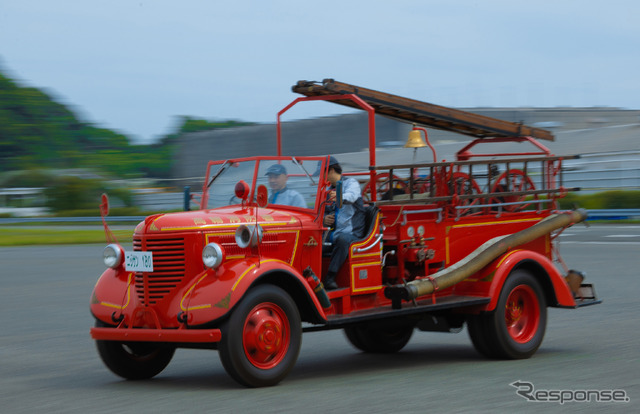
(311, 168)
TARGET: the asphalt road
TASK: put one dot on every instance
(48, 362)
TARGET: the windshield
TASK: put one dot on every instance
(291, 182)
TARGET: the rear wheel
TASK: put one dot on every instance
(515, 329)
(386, 338)
(262, 338)
(479, 337)
(134, 360)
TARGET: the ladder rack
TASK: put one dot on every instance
(422, 113)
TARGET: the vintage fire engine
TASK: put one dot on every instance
(448, 243)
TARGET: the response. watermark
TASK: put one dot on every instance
(527, 391)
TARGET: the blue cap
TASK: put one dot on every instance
(276, 169)
(332, 161)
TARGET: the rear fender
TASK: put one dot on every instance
(555, 287)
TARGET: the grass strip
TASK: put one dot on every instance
(27, 237)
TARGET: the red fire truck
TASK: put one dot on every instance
(448, 243)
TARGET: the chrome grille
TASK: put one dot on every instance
(168, 268)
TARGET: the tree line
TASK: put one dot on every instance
(37, 132)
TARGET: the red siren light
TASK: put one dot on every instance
(242, 190)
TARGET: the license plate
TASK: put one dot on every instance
(138, 261)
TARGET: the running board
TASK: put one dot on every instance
(408, 308)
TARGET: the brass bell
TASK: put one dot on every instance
(415, 140)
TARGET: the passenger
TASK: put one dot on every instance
(280, 194)
(346, 221)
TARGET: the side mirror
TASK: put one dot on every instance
(263, 195)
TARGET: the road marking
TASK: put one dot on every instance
(623, 235)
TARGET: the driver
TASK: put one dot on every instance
(280, 194)
(347, 220)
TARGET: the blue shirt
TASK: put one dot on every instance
(287, 197)
(350, 193)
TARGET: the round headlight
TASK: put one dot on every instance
(212, 255)
(112, 256)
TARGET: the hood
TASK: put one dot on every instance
(226, 217)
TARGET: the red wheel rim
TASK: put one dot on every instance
(266, 335)
(515, 180)
(383, 184)
(463, 184)
(522, 314)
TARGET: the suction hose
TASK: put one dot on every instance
(481, 257)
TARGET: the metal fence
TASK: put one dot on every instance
(600, 172)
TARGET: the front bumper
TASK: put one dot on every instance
(157, 335)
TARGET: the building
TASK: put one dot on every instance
(608, 134)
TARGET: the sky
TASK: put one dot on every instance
(137, 66)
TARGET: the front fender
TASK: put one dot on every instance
(113, 295)
(556, 288)
(214, 294)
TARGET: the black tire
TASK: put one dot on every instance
(134, 360)
(476, 325)
(515, 329)
(380, 338)
(262, 338)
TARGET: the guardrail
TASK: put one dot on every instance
(20, 220)
(617, 214)
(611, 214)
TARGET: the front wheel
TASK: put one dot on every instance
(262, 338)
(134, 360)
(515, 329)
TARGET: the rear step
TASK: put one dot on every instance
(586, 296)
